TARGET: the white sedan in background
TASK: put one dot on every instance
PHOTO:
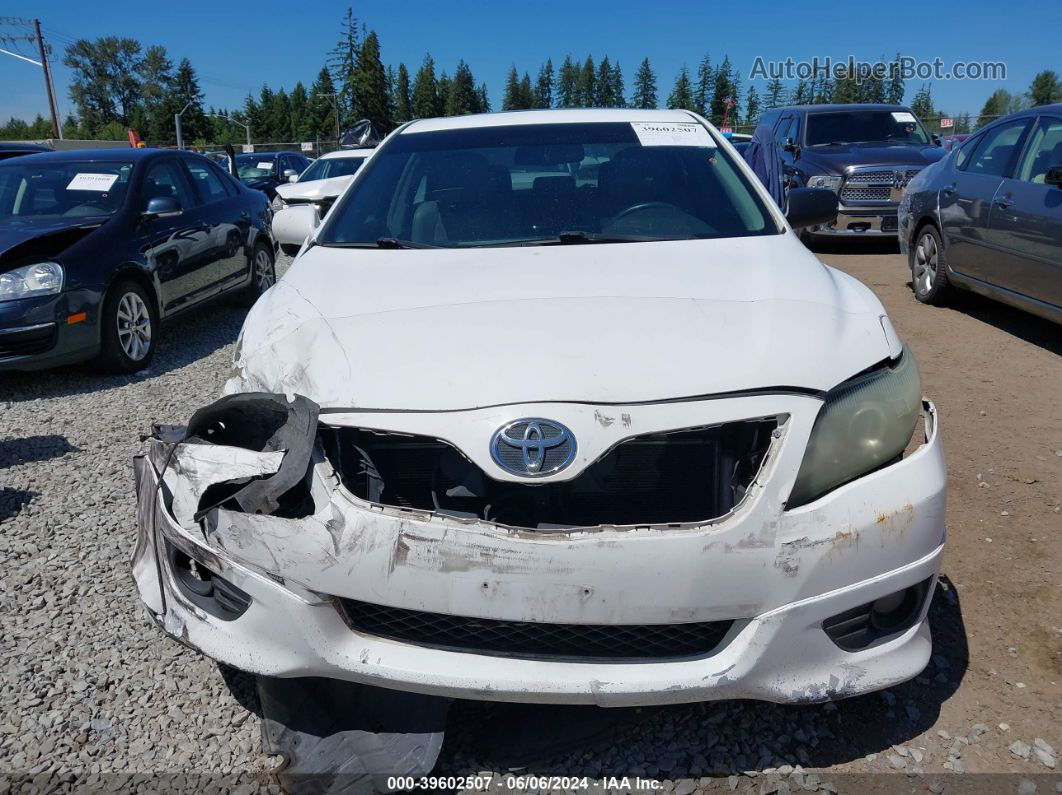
(320, 185)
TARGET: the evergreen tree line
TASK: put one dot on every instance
(118, 84)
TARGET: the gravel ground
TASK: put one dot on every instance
(95, 698)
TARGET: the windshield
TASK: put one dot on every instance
(62, 190)
(254, 166)
(326, 168)
(547, 183)
(863, 126)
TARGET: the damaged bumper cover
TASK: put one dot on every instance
(785, 604)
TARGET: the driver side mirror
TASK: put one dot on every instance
(1054, 176)
(789, 145)
(162, 207)
(291, 174)
(810, 207)
(293, 178)
(292, 225)
(936, 139)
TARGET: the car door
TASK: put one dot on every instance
(228, 223)
(177, 248)
(1026, 220)
(966, 200)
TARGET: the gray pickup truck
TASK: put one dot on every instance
(865, 153)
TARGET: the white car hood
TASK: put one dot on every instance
(315, 189)
(444, 329)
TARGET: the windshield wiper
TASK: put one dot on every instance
(574, 237)
(383, 242)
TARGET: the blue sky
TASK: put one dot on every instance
(280, 43)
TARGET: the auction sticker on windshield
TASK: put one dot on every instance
(903, 117)
(265, 166)
(671, 134)
(97, 182)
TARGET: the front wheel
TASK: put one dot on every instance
(929, 270)
(128, 329)
(263, 273)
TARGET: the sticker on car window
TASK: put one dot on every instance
(100, 183)
(904, 117)
(672, 134)
(266, 166)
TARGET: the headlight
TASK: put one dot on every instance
(865, 423)
(277, 203)
(44, 278)
(830, 183)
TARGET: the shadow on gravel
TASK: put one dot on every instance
(242, 687)
(12, 501)
(1016, 322)
(184, 341)
(33, 448)
(712, 738)
(857, 245)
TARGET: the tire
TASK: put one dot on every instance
(929, 267)
(129, 326)
(263, 273)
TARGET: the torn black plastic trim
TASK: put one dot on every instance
(264, 422)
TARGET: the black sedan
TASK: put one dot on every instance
(12, 149)
(265, 170)
(988, 218)
(97, 247)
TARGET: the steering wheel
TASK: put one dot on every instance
(637, 208)
(84, 205)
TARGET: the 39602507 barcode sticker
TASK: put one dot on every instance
(651, 133)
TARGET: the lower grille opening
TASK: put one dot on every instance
(532, 640)
(679, 477)
(27, 341)
(878, 621)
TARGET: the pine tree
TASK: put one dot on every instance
(511, 99)
(605, 97)
(320, 109)
(802, 94)
(922, 104)
(705, 88)
(156, 77)
(823, 93)
(482, 99)
(371, 97)
(846, 88)
(462, 99)
(445, 84)
(425, 91)
(280, 117)
(682, 94)
(184, 90)
(644, 95)
(586, 90)
(752, 106)
(1046, 88)
(618, 89)
(343, 64)
(527, 93)
(568, 84)
(403, 104)
(544, 86)
(775, 94)
(300, 119)
(894, 86)
(723, 89)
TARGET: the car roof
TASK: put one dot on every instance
(98, 155)
(853, 106)
(567, 116)
(11, 146)
(347, 153)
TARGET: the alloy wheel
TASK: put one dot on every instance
(925, 264)
(134, 326)
(264, 275)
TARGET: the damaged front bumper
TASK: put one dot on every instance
(341, 588)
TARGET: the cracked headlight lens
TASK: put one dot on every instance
(29, 281)
(865, 423)
(278, 203)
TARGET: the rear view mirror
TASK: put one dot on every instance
(1054, 176)
(162, 207)
(810, 207)
(292, 225)
(548, 154)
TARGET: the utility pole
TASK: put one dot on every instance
(57, 131)
(334, 97)
(53, 107)
(177, 124)
(246, 127)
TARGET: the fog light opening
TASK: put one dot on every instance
(878, 621)
(893, 611)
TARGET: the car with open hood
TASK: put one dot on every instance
(554, 407)
(98, 247)
(864, 153)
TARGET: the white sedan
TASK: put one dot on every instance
(318, 186)
(555, 407)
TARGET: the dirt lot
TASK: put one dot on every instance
(93, 696)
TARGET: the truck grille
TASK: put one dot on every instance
(533, 640)
(690, 475)
(875, 184)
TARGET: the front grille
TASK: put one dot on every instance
(691, 475)
(532, 640)
(874, 185)
(26, 342)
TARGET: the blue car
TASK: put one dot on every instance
(98, 247)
